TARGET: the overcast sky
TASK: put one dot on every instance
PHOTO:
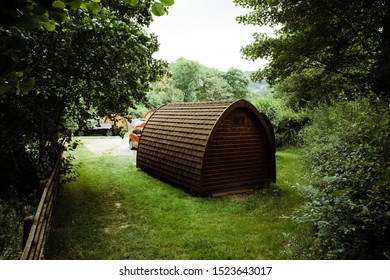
(205, 31)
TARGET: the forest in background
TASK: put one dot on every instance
(190, 81)
(329, 94)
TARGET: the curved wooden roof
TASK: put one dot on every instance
(177, 137)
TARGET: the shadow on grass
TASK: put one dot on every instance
(114, 211)
(76, 228)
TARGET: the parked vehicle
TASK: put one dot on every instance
(134, 137)
(137, 125)
(98, 129)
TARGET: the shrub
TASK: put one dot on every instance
(348, 148)
(12, 213)
(286, 122)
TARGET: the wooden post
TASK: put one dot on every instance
(27, 224)
(42, 184)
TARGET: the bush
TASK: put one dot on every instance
(12, 213)
(286, 122)
(348, 148)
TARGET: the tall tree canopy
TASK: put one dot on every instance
(200, 83)
(59, 59)
(238, 82)
(187, 77)
(349, 42)
(337, 53)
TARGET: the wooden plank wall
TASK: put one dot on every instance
(35, 246)
(174, 140)
(210, 147)
(239, 156)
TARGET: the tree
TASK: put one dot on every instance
(214, 86)
(328, 36)
(238, 82)
(187, 77)
(190, 81)
(327, 51)
(311, 87)
(18, 18)
(55, 70)
(163, 92)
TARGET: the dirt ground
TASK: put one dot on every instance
(110, 145)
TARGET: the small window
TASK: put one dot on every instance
(239, 121)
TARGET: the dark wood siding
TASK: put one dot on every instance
(208, 147)
(238, 156)
(174, 140)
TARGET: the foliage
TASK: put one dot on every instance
(286, 123)
(96, 55)
(191, 81)
(256, 87)
(11, 227)
(238, 82)
(348, 149)
(338, 41)
(311, 87)
(187, 77)
(137, 112)
(164, 91)
(214, 86)
(18, 18)
(326, 52)
(58, 59)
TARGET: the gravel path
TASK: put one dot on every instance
(110, 145)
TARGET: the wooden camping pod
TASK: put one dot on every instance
(209, 147)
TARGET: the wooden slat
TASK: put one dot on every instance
(178, 165)
(174, 140)
(172, 177)
(176, 145)
(239, 156)
(36, 241)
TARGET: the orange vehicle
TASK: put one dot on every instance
(137, 126)
(135, 135)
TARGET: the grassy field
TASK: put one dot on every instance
(115, 211)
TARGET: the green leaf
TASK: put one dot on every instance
(167, 2)
(27, 84)
(5, 88)
(6, 85)
(158, 9)
(74, 5)
(93, 8)
(49, 26)
(19, 74)
(59, 4)
(132, 2)
(272, 2)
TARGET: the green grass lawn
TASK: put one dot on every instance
(115, 211)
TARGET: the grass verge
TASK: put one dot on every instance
(115, 211)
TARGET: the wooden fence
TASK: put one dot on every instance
(37, 227)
